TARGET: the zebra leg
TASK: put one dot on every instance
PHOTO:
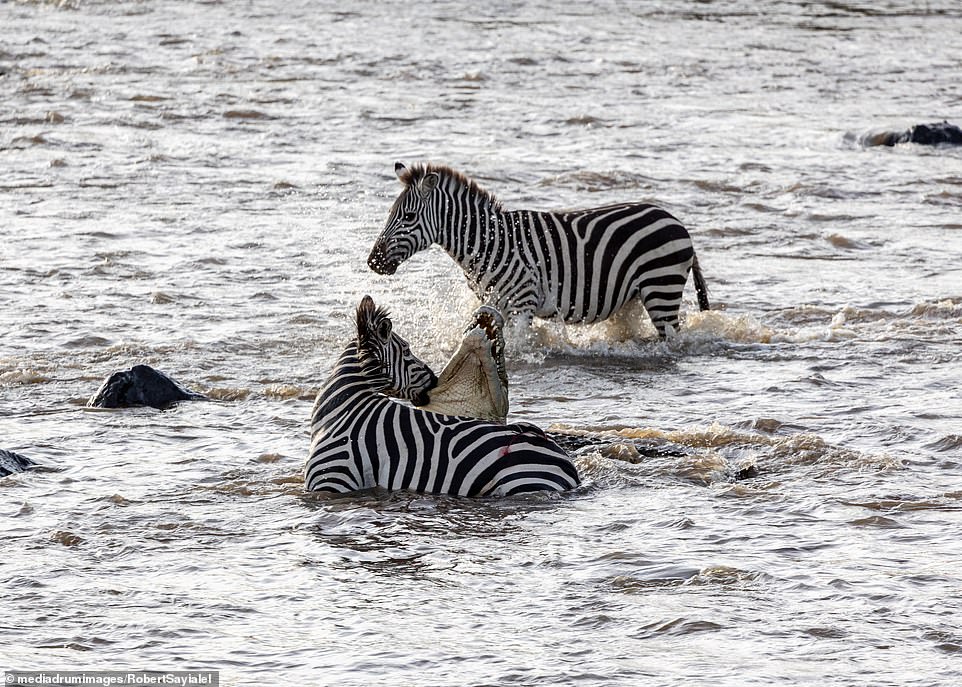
(521, 317)
(526, 318)
(665, 323)
(518, 301)
(662, 304)
(519, 332)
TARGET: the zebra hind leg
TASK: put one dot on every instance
(664, 315)
(667, 328)
(662, 300)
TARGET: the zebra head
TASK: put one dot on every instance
(410, 226)
(387, 356)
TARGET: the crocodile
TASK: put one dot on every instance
(474, 383)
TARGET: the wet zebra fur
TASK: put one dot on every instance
(362, 439)
(578, 265)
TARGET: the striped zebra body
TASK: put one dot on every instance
(579, 266)
(361, 439)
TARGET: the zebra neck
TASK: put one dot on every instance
(473, 233)
(348, 387)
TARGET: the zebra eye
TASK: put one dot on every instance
(384, 330)
(409, 217)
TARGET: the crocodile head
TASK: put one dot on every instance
(474, 383)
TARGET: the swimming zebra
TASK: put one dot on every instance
(579, 265)
(361, 439)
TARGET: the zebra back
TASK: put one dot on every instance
(381, 443)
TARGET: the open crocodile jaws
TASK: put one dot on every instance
(474, 383)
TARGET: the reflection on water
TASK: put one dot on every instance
(771, 495)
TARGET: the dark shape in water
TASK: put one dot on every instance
(141, 385)
(640, 450)
(924, 134)
(745, 472)
(11, 462)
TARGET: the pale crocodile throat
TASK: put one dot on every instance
(474, 383)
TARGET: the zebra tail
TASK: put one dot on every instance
(701, 288)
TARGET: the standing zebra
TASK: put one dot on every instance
(361, 439)
(578, 265)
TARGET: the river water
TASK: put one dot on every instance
(196, 186)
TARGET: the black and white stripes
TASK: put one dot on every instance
(579, 266)
(361, 439)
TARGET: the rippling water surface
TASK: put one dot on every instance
(773, 497)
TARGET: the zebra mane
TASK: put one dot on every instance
(413, 174)
(368, 318)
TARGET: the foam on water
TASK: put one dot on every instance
(633, 335)
(726, 450)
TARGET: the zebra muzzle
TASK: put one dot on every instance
(420, 398)
(379, 262)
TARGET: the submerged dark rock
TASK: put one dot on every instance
(11, 462)
(936, 133)
(141, 385)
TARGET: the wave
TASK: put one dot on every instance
(949, 501)
(21, 376)
(273, 392)
(228, 393)
(681, 576)
(949, 442)
(710, 454)
(945, 309)
(631, 334)
(592, 182)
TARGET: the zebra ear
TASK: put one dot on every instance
(429, 183)
(384, 329)
(365, 313)
(373, 323)
(400, 170)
